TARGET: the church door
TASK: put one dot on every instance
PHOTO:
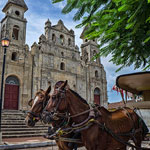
(11, 95)
(97, 96)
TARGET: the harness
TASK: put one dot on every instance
(39, 116)
(90, 121)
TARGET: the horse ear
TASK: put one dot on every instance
(30, 102)
(48, 90)
(64, 84)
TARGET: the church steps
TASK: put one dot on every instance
(23, 135)
(13, 125)
(24, 129)
(23, 126)
(7, 118)
(23, 132)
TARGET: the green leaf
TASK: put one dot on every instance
(57, 1)
(147, 67)
(147, 39)
(148, 19)
(130, 25)
(123, 8)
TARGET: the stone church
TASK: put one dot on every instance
(55, 57)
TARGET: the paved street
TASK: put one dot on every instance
(49, 148)
(35, 140)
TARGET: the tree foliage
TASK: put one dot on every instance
(122, 28)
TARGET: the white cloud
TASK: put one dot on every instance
(35, 28)
(59, 5)
(2, 2)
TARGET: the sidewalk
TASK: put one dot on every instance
(30, 143)
(25, 140)
(39, 143)
(25, 143)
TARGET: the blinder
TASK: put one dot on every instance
(54, 115)
(60, 95)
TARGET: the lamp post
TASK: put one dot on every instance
(5, 44)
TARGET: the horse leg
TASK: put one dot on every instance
(138, 141)
(138, 144)
(91, 147)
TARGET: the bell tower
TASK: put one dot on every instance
(13, 25)
(89, 50)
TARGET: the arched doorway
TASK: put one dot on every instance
(11, 95)
(97, 96)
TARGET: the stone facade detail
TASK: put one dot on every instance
(55, 57)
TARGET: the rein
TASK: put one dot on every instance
(82, 113)
(88, 122)
(33, 114)
(73, 116)
(117, 138)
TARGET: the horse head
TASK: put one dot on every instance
(65, 102)
(57, 105)
(37, 105)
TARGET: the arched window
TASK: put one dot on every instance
(53, 37)
(14, 56)
(12, 80)
(96, 73)
(15, 33)
(86, 40)
(97, 96)
(62, 66)
(94, 54)
(85, 56)
(62, 54)
(69, 42)
(3, 31)
(17, 13)
(62, 40)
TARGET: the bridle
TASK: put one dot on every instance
(61, 94)
(55, 115)
(38, 116)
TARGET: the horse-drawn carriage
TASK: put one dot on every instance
(139, 84)
(99, 128)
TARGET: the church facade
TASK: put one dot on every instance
(55, 57)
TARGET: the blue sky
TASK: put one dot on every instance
(38, 13)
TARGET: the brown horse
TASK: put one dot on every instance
(108, 131)
(35, 114)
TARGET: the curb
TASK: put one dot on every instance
(24, 146)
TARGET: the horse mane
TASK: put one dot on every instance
(59, 83)
(39, 91)
(82, 99)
